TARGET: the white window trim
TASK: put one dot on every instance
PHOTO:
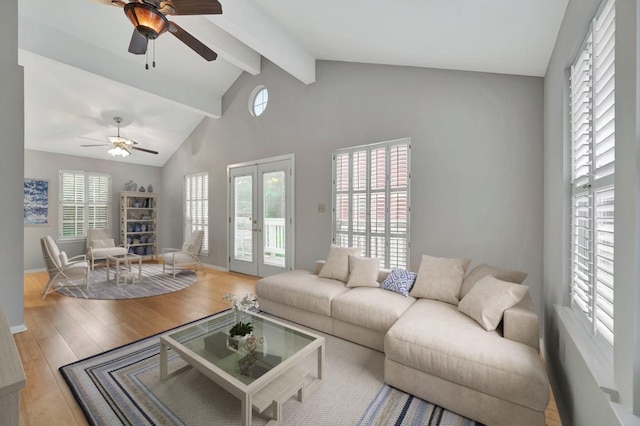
(368, 148)
(189, 226)
(86, 203)
(592, 186)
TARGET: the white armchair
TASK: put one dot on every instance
(62, 269)
(185, 256)
(101, 244)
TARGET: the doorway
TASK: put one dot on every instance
(261, 216)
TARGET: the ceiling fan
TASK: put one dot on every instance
(119, 145)
(149, 21)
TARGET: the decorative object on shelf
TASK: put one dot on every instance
(136, 204)
(150, 188)
(142, 188)
(131, 186)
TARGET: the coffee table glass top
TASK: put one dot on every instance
(274, 343)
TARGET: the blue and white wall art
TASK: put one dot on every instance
(36, 202)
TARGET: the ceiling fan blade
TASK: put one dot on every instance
(118, 3)
(143, 149)
(191, 7)
(103, 145)
(93, 139)
(138, 43)
(192, 42)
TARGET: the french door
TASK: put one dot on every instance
(261, 217)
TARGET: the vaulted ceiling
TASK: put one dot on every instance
(79, 74)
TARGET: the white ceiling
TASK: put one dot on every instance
(79, 75)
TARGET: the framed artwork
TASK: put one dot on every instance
(36, 202)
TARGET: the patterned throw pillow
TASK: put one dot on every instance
(399, 281)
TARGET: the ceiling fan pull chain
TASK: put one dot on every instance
(146, 53)
(154, 53)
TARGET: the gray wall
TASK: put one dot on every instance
(46, 165)
(11, 166)
(580, 372)
(476, 159)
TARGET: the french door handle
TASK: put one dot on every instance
(257, 230)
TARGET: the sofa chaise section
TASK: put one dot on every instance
(438, 354)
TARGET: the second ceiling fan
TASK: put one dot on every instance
(150, 22)
(118, 145)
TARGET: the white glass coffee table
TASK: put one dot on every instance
(266, 376)
(122, 264)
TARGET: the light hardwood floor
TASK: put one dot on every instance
(63, 329)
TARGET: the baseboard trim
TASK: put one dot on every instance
(18, 328)
(217, 268)
(31, 271)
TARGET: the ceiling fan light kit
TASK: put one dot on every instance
(117, 150)
(146, 19)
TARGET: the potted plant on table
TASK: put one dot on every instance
(239, 333)
(241, 330)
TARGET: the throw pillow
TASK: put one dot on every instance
(480, 271)
(489, 298)
(109, 242)
(399, 281)
(363, 272)
(337, 264)
(440, 278)
(64, 260)
(96, 244)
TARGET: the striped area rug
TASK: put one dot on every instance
(122, 387)
(393, 407)
(153, 283)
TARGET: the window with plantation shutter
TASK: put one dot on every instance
(85, 203)
(196, 206)
(371, 200)
(592, 126)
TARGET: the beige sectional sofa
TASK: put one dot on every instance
(432, 350)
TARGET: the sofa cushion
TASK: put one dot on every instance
(105, 243)
(489, 298)
(399, 281)
(337, 263)
(102, 253)
(436, 338)
(301, 289)
(363, 272)
(440, 278)
(480, 271)
(373, 308)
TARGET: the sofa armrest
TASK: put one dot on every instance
(317, 266)
(521, 323)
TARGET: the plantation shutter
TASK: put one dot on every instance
(196, 206)
(371, 201)
(85, 201)
(99, 200)
(72, 201)
(592, 175)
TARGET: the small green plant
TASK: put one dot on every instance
(241, 329)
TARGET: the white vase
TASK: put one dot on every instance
(236, 342)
